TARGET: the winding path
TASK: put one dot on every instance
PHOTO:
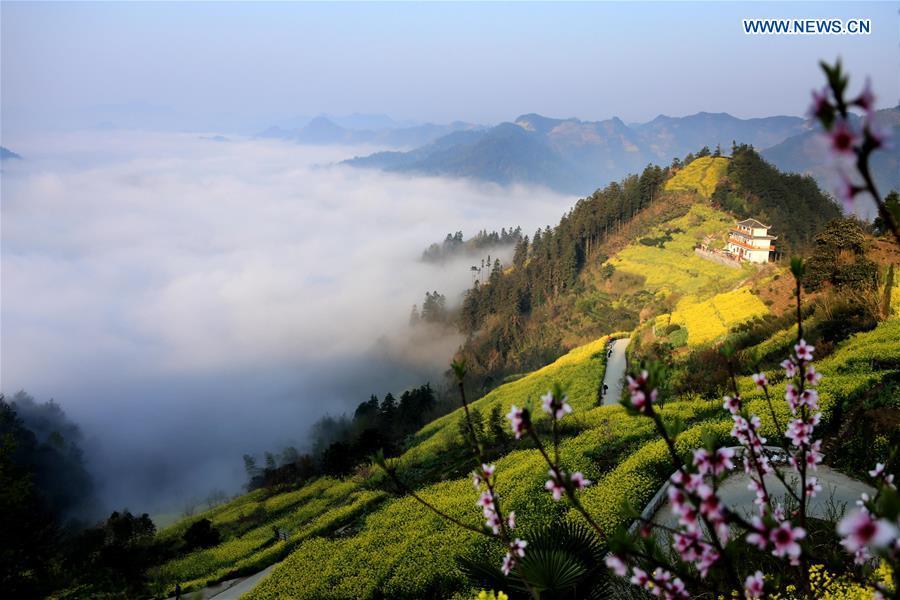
(232, 589)
(615, 371)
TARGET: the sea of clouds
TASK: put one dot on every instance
(187, 299)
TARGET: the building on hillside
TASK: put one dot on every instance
(749, 241)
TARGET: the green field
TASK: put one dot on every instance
(675, 267)
(702, 175)
(712, 318)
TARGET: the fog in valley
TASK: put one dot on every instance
(187, 299)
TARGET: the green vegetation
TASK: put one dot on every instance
(793, 204)
(701, 175)
(713, 318)
(675, 267)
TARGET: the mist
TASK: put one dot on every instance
(187, 300)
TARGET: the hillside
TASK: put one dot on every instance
(349, 539)
(626, 253)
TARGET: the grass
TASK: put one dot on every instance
(675, 267)
(702, 175)
(712, 318)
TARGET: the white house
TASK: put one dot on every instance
(749, 241)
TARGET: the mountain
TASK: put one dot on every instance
(668, 137)
(574, 156)
(384, 132)
(7, 154)
(804, 153)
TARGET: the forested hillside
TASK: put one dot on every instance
(561, 288)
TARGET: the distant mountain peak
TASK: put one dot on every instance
(7, 154)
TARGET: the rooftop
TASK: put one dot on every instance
(753, 223)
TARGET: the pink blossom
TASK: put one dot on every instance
(866, 99)
(792, 395)
(810, 399)
(710, 505)
(784, 538)
(509, 563)
(790, 367)
(819, 103)
(708, 558)
(511, 519)
(760, 380)
(759, 537)
(878, 471)
(616, 565)
(687, 544)
(804, 351)
(732, 404)
(517, 547)
(812, 487)
(721, 460)
(753, 585)
(841, 139)
(639, 577)
(516, 418)
(579, 481)
(492, 521)
(799, 432)
(812, 376)
(859, 529)
(636, 383)
(556, 407)
(554, 486)
(814, 455)
(879, 136)
(846, 190)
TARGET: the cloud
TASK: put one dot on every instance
(189, 300)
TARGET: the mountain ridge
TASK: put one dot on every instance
(575, 156)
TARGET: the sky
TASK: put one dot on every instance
(240, 67)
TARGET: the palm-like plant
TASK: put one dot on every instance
(564, 561)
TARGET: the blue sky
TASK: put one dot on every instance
(235, 65)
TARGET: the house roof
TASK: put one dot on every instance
(753, 223)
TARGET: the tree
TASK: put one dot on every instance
(477, 422)
(497, 426)
(201, 534)
(892, 204)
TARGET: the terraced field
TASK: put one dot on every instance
(397, 549)
(674, 266)
(712, 318)
(702, 175)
